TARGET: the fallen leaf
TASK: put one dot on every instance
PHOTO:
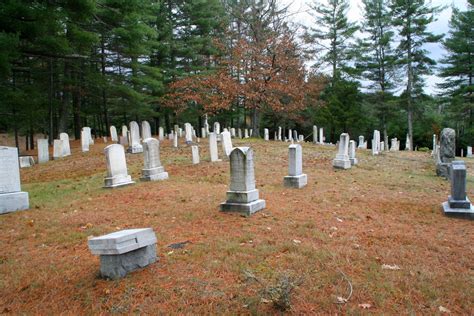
(444, 310)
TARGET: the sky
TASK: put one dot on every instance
(300, 14)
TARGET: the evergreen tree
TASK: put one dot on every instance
(412, 18)
(377, 57)
(458, 70)
(332, 36)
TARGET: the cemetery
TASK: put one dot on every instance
(231, 157)
(381, 226)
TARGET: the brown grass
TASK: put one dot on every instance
(384, 211)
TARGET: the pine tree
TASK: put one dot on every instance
(458, 71)
(412, 18)
(377, 57)
(332, 36)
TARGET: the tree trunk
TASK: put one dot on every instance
(104, 96)
(64, 105)
(255, 122)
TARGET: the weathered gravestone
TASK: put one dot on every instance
(113, 134)
(124, 131)
(361, 141)
(66, 146)
(43, 150)
(469, 152)
(242, 196)
(407, 143)
(352, 152)
(266, 134)
(188, 136)
(117, 173)
(246, 133)
(203, 132)
(84, 141)
(315, 134)
(295, 135)
(161, 134)
(458, 203)
(195, 154)
(26, 161)
(382, 147)
(58, 151)
(153, 170)
(11, 197)
(296, 178)
(146, 130)
(447, 151)
(342, 158)
(124, 251)
(232, 132)
(89, 133)
(290, 135)
(226, 142)
(213, 147)
(135, 146)
(321, 135)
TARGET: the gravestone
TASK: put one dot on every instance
(458, 203)
(84, 141)
(342, 158)
(26, 161)
(66, 146)
(195, 153)
(58, 150)
(124, 131)
(321, 135)
(279, 133)
(447, 152)
(239, 133)
(146, 130)
(175, 140)
(246, 133)
(213, 147)
(242, 196)
(382, 146)
(124, 251)
(251, 133)
(11, 197)
(171, 135)
(301, 138)
(290, 135)
(161, 134)
(217, 128)
(89, 134)
(352, 152)
(226, 142)
(203, 132)
(135, 146)
(315, 134)
(153, 170)
(188, 133)
(407, 143)
(296, 178)
(433, 152)
(469, 151)
(361, 141)
(266, 135)
(232, 132)
(43, 150)
(117, 173)
(113, 134)
(295, 135)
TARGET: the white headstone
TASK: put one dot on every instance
(161, 133)
(469, 151)
(135, 146)
(152, 170)
(361, 141)
(352, 152)
(195, 153)
(84, 141)
(66, 147)
(232, 132)
(279, 133)
(321, 135)
(342, 158)
(26, 161)
(43, 150)
(266, 135)
(203, 132)
(246, 133)
(315, 134)
(58, 150)
(113, 134)
(89, 133)
(117, 173)
(226, 142)
(295, 178)
(124, 131)
(213, 147)
(146, 130)
(243, 196)
(11, 197)
(188, 133)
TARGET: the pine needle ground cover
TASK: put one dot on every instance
(369, 239)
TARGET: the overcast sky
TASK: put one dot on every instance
(301, 15)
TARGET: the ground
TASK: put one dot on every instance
(377, 227)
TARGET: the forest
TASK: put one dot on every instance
(65, 64)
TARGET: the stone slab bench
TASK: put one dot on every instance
(124, 251)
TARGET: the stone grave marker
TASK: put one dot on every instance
(296, 178)
(11, 197)
(117, 173)
(242, 197)
(153, 170)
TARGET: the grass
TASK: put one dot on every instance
(386, 210)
